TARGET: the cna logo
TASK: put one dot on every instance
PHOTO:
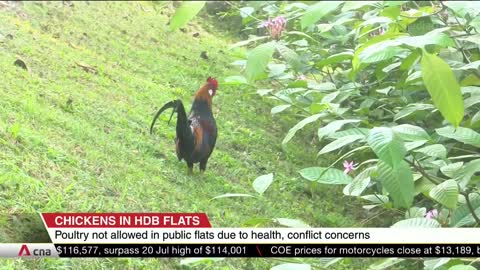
(37, 252)
(24, 251)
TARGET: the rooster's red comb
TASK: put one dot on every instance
(213, 82)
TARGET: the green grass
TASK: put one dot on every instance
(76, 141)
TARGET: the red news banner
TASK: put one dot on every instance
(126, 220)
(191, 235)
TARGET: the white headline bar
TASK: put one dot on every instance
(265, 235)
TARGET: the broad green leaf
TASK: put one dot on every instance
(413, 78)
(464, 175)
(385, 90)
(475, 118)
(359, 183)
(451, 170)
(324, 87)
(420, 26)
(443, 87)
(398, 182)
(256, 222)
(325, 262)
(417, 223)
(292, 266)
(415, 212)
(228, 195)
(334, 59)
(262, 183)
(433, 264)
(374, 40)
(318, 107)
(316, 11)
(415, 144)
(410, 60)
(423, 185)
(469, 102)
(333, 126)
(462, 267)
(297, 84)
(185, 13)
(292, 223)
(411, 108)
(235, 80)
(340, 142)
(434, 150)
(258, 59)
(325, 175)
(385, 263)
(302, 34)
(474, 65)
(410, 132)
(461, 134)
(290, 56)
(300, 125)
(446, 193)
(246, 11)
(475, 38)
(239, 63)
(380, 52)
(352, 131)
(377, 198)
(369, 207)
(471, 79)
(463, 7)
(436, 38)
(280, 108)
(386, 145)
(462, 216)
(473, 90)
(276, 70)
(263, 92)
(377, 20)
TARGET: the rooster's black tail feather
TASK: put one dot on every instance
(172, 104)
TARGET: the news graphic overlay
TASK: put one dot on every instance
(191, 235)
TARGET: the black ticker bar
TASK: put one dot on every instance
(268, 250)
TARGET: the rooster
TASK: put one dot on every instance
(197, 134)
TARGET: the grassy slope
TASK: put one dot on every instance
(96, 154)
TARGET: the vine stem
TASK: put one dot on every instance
(455, 40)
(470, 207)
(435, 181)
(421, 170)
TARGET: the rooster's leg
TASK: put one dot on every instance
(203, 165)
(190, 168)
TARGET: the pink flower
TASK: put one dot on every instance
(349, 166)
(275, 26)
(431, 214)
(301, 77)
(266, 23)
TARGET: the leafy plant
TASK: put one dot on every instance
(394, 85)
(391, 84)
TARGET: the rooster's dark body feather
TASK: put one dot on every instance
(197, 133)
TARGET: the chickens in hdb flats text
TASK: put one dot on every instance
(166, 221)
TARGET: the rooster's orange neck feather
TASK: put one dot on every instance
(202, 94)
